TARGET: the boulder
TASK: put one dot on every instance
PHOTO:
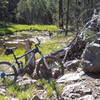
(77, 91)
(72, 65)
(87, 97)
(70, 77)
(91, 57)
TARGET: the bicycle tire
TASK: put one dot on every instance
(43, 72)
(9, 71)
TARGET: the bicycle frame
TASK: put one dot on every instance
(34, 51)
(22, 70)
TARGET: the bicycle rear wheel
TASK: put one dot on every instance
(54, 63)
(7, 72)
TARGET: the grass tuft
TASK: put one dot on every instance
(21, 93)
(51, 86)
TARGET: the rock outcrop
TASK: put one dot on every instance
(91, 57)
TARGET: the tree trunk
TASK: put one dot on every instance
(67, 17)
(84, 4)
(77, 16)
(61, 14)
(92, 3)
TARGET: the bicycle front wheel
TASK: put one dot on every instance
(7, 71)
(55, 65)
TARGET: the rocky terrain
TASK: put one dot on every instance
(77, 86)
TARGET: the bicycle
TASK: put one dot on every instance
(44, 67)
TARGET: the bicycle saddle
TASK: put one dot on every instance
(9, 51)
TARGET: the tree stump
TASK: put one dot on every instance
(31, 66)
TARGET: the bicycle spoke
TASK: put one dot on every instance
(6, 69)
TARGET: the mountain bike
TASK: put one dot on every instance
(44, 68)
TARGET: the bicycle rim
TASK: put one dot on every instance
(7, 72)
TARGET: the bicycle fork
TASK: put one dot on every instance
(47, 66)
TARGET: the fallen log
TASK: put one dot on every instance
(59, 54)
(75, 49)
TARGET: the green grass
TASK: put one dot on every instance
(28, 91)
(51, 86)
(2, 97)
(21, 93)
(10, 29)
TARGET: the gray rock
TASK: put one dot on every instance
(22, 81)
(2, 91)
(37, 98)
(97, 99)
(72, 65)
(14, 99)
(66, 78)
(87, 97)
(9, 98)
(69, 89)
(91, 57)
(74, 95)
(75, 91)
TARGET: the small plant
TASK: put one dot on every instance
(2, 97)
(59, 89)
(49, 91)
(21, 93)
(41, 81)
(50, 86)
